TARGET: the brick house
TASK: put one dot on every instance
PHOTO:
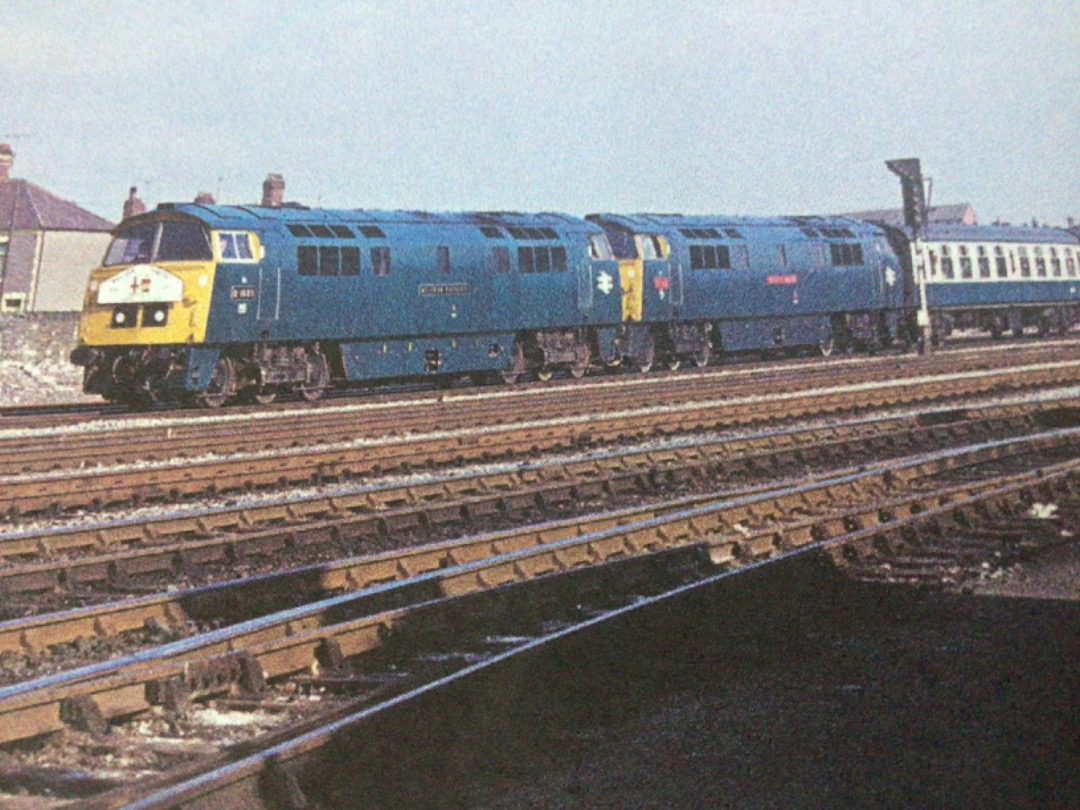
(47, 246)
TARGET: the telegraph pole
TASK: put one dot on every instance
(909, 170)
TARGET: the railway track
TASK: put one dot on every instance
(33, 448)
(375, 652)
(185, 477)
(70, 563)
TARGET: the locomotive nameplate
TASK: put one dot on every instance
(444, 289)
(245, 293)
(789, 278)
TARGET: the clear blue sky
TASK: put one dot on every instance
(740, 107)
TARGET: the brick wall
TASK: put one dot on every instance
(34, 366)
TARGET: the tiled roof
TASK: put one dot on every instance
(895, 216)
(26, 207)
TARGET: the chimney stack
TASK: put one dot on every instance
(7, 157)
(204, 198)
(133, 205)
(273, 191)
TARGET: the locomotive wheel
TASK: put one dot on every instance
(827, 345)
(643, 362)
(318, 377)
(264, 395)
(220, 387)
(701, 359)
(674, 363)
(545, 374)
(516, 368)
(580, 368)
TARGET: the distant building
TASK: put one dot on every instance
(47, 246)
(962, 214)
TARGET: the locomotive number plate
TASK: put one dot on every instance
(444, 289)
(242, 294)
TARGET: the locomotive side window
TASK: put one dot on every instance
(710, 257)
(329, 261)
(235, 246)
(442, 258)
(741, 259)
(380, 261)
(350, 261)
(542, 259)
(817, 250)
(846, 254)
(1000, 266)
(307, 260)
(183, 242)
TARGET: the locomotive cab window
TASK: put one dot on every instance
(599, 248)
(172, 241)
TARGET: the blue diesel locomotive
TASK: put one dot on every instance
(210, 303)
(694, 286)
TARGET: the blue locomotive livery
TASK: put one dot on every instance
(999, 278)
(214, 303)
(694, 286)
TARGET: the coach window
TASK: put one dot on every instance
(442, 257)
(1025, 262)
(1040, 263)
(1070, 262)
(380, 261)
(1055, 263)
(984, 262)
(965, 262)
(946, 263)
(1000, 266)
(932, 269)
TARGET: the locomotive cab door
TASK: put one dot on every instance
(661, 282)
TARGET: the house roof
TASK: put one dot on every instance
(937, 213)
(26, 207)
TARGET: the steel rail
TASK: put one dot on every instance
(146, 546)
(736, 531)
(117, 442)
(93, 487)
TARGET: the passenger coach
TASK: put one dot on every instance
(999, 279)
(211, 302)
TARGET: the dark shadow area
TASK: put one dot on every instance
(789, 686)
